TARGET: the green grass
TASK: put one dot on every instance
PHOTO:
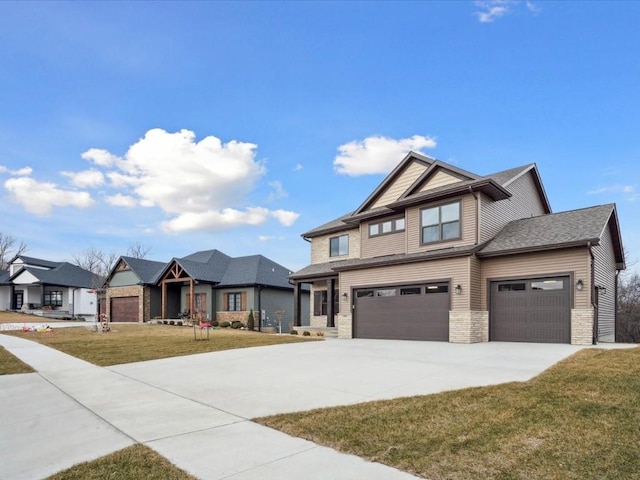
(578, 420)
(134, 343)
(133, 463)
(10, 364)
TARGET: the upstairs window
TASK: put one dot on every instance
(440, 223)
(339, 246)
(388, 226)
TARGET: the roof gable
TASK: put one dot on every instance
(63, 275)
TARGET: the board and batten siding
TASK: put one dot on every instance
(439, 179)
(467, 226)
(400, 185)
(605, 276)
(524, 203)
(386, 244)
(320, 247)
(549, 263)
(124, 278)
(454, 269)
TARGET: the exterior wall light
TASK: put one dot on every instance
(579, 285)
(601, 290)
(345, 296)
(458, 289)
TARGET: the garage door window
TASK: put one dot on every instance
(512, 287)
(547, 285)
(437, 289)
(386, 292)
(411, 291)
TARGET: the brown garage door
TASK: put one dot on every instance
(124, 309)
(533, 310)
(413, 312)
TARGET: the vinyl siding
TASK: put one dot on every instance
(605, 276)
(387, 244)
(272, 300)
(439, 179)
(400, 185)
(468, 226)
(124, 278)
(549, 263)
(320, 247)
(456, 270)
(475, 289)
(524, 203)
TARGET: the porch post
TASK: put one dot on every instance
(41, 295)
(191, 299)
(331, 307)
(164, 301)
(12, 298)
(297, 320)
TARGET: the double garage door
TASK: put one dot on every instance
(412, 312)
(529, 310)
(125, 309)
(532, 310)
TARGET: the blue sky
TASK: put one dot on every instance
(239, 125)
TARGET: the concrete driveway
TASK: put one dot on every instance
(195, 410)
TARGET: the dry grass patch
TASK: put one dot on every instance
(10, 364)
(19, 317)
(578, 420)
(132, 463)
(135, 343)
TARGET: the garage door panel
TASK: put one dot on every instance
(125, 309)
(402, 317)
(537, 311)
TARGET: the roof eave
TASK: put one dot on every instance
(540, 248)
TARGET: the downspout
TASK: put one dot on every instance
(592, 294)
(260, 287)
(73, 304)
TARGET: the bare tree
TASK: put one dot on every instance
(137, 250)
(96, 261)
(9, 248)
(629, 309)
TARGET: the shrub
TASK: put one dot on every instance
(215, 323)
(306, 333)
(320, 334)
(179, 323)
(225, 324)
(237, 324)
(250, 321)
(171, 322)
(293, 332)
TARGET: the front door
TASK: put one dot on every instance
(18, 298)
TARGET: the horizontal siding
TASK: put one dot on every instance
(320, 247)
(524, 203)
(468, 227)
(550, 263)
(455, 269)
(377, 246)
(475, 289)
(605, 276)
(400, 185)
(440, 179)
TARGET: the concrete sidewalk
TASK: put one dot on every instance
(72, 411)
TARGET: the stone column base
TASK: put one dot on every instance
(582, 326)
(344, 322)
(468, 326)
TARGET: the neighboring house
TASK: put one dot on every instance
(206, 285)
(439, 253)
(132, 294)
(37, 285)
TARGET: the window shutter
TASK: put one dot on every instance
(243, 301)
(317, 303)
(225, 302)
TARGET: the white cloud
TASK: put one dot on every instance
(118, 180)
(278, 191)
(216, 220)
(298, 167)
(120, 200)
(41, 197)
(21, 172)
(267, 238)
(100, 157)
(285, 217)
(377, 154)
(3, 169)
(85, 179)
(630, 192)
(490, 10)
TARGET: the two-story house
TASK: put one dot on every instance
(440, 253)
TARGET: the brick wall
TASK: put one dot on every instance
(582, 326)
(468, 326)
(240, 316)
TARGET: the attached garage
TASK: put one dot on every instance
(125, 309)
(411, 312)
(531, 310)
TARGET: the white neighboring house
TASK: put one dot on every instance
(43, 287)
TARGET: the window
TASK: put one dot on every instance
(339, 246)
(437, 289)
(199, 302)
(441, 223)
(547, 285)
(512, 287)
(320, 302)
(411, 291)
(53, 298)
(234, 302)
(386, 292)
(388, 226)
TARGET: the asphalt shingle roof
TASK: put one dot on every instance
(146, 270)
(4, 276)
(64, 275)
(575, 227)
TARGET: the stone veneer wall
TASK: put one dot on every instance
(241, 316)
(130, 291)
(318, 321)
(468, 326)
(582, 326)
(344, 322)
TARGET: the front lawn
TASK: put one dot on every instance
(10, 364)
(19, 317)
(578, 420)
(138, 342)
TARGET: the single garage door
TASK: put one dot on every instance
(413, 312)
(124, 309)
(532, 310)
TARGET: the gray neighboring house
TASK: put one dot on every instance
(442, 254)
(45, 287)
(206, 285)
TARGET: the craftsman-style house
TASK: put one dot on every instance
(440, 253)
